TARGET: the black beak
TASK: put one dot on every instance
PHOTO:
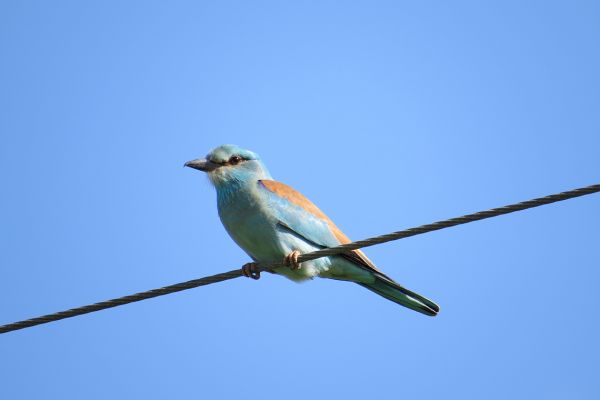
(202, 165)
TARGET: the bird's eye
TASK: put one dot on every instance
(235, 160)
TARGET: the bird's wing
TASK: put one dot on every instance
(299, 215)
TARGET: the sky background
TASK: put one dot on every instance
(387, 114)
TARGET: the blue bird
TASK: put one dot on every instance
(271, 221)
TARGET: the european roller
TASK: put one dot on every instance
(272, 222)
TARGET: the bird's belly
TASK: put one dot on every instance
(253, 230)
(257, 233)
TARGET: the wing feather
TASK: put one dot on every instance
(292, 196)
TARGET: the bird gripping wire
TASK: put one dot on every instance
(494, 212)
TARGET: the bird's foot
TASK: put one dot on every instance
(250, 270)
(291, 260)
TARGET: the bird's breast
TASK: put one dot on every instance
(252, 226)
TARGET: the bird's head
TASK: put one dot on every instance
(229, 164)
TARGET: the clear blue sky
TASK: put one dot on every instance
(387, 114)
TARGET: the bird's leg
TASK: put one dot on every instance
(250, 270)
(291, 260)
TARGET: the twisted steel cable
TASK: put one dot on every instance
(494, 212)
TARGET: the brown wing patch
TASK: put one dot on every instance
(292, 195)
(297, 198)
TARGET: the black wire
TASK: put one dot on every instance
(304, 257)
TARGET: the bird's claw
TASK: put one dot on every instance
(291, 260)
(250, 270)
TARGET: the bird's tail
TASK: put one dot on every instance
(393, 291)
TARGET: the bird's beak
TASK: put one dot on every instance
(202, 165)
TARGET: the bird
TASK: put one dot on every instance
(273, 223)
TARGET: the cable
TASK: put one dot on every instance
(494, 212)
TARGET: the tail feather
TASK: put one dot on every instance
(400, 295)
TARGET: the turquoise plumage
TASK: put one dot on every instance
(271, 221)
